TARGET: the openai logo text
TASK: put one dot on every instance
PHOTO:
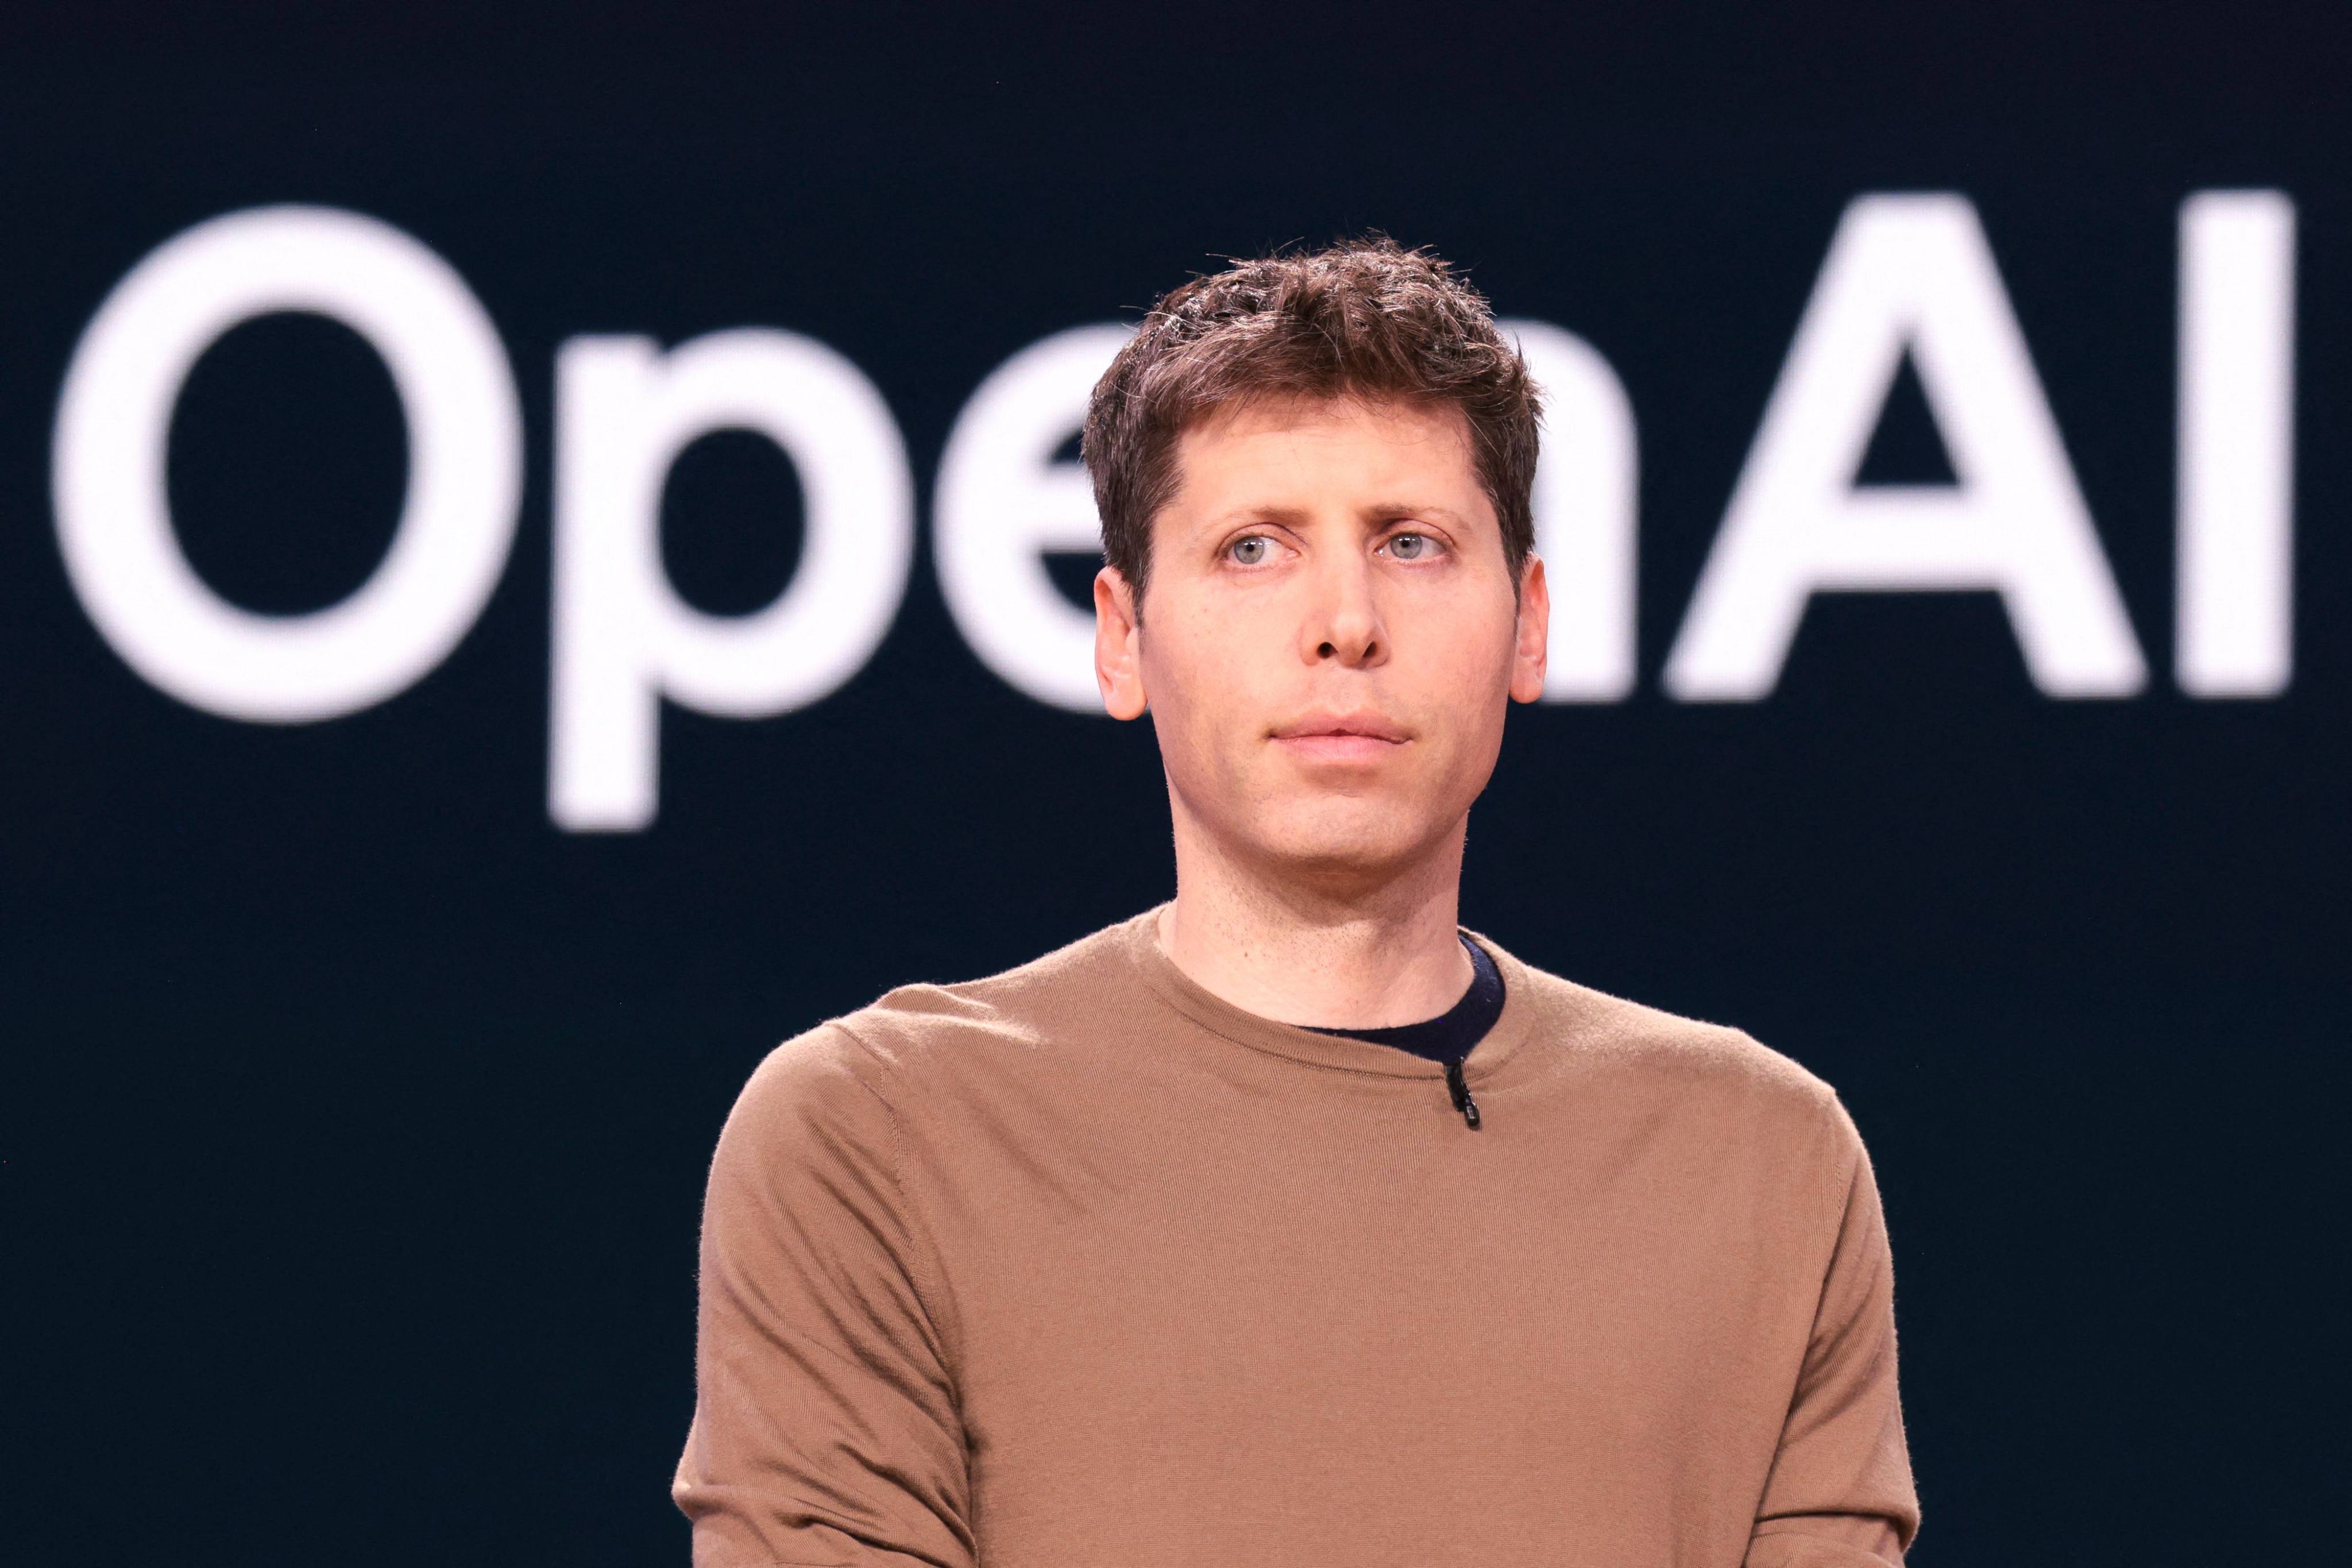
(1908, 274)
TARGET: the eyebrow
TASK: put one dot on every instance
(1282, 514)
(1377, 513)
(1389, 512)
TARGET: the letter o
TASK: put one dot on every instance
(464, 474)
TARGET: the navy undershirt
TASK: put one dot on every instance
(1448, 1037)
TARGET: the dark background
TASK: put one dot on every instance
(353, 1118)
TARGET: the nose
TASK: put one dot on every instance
(1343, 626)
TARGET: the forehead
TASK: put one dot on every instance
(1288, 442)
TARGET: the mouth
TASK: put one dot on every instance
(1340, 737)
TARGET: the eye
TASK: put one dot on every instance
(1251, 549)
(1411, 546)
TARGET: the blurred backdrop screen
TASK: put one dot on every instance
(537, 560)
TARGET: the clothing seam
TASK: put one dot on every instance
(1177, 1003)
(823, 1516)
(950, 1345)
(1452, 1024)
(1475, 1072)
(1787, 1524)
(1779, 1524)
(1838, 1188)
(1841, 1185)
(1838, 1193)
(1438, 1076)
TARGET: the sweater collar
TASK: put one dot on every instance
(1139, 937)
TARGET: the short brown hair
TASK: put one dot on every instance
(1364, 318)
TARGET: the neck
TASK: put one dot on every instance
(1369, 953)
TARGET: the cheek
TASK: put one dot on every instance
(1467, 670)
(1210, 653)
(1468, 694)
(1197, 682)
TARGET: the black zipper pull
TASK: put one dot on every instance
(1461, 1090)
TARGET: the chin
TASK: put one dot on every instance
(1351, 846)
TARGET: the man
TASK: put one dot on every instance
(1288, 1223)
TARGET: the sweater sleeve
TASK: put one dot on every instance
(1840, 1494)
(825, 1428)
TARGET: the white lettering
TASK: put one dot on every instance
(465, 475)
(2235, 622)
(624, 639)
(1911, 272)
(1003, 502)
(1585, 515)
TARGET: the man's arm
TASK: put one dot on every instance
(825, 1428)
(1840, 1494)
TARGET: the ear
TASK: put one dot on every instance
(1528, 658)
(1118, 645)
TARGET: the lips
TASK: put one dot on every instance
(1340, 737)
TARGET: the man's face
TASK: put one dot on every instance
(1330, 639)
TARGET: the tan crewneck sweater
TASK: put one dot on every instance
(1081, 1266)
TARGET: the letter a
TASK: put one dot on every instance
(1907, 273)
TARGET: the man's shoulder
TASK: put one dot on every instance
(1006, 1017)
(843, 1105)
(1644, 1046)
